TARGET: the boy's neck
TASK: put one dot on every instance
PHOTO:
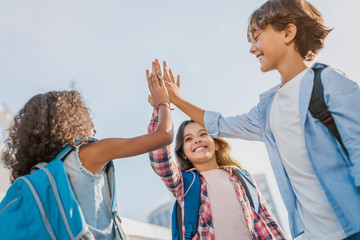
(291, 68)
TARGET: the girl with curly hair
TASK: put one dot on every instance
(51, 120)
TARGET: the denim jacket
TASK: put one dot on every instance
(338, 174)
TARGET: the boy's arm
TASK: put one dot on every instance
(245, 126)
(194, 112)
(343, 96)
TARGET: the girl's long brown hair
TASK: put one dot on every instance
(223, 154)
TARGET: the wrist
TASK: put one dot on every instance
(176, 100)
(163, 104)
(154, 111)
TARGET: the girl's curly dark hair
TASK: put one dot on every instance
(42, 127)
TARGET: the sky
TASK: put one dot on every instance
(104, 47)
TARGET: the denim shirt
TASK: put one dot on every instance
(339, 175)
(93, 194)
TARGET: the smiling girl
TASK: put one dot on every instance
(225, 210)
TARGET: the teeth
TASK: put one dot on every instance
(199, 149)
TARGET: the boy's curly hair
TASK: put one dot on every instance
(311, 31)
(42, 127)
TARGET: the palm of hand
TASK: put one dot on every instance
(172, 86)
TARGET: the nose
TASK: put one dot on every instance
(252, 47)
(197, 140)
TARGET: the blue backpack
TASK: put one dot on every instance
(42, 205)
(192, 189)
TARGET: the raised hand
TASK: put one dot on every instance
(156, 85)
(172, 86)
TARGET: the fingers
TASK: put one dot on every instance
(162, 77)
(148, 78)
(151, 82)
(153, 67)
(166, 72)
(156, 81)
(157, 67)
(178, 81)
(171, 76)
(147, 74)
(161, 81)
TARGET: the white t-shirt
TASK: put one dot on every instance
(315, 211)
(227, 215)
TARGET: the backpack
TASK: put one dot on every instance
(317, 106)
(192, 189)
(43, 205)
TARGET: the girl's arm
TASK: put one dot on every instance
(96, 155)
(164, 166)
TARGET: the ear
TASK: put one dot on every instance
(216, 147)
(290, 33)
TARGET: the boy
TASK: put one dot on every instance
(318, 181)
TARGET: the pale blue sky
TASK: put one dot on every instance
(105, 47)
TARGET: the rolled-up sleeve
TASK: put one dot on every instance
(245, 126)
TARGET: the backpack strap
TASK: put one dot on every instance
(192, 188)
(317, 106)
(250, 187)
(64, 152)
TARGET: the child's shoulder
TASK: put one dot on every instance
(330, 75)
(333, 76)
(333, 71)
(336, 81)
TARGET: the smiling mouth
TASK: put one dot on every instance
(259, 56)
(199, 149)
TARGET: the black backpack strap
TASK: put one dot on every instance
(317, 106)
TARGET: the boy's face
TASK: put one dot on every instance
(269, 48)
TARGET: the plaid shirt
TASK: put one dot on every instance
(262, 225)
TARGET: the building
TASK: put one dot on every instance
(5, 120)
(162, 215)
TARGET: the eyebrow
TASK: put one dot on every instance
(203, 129)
